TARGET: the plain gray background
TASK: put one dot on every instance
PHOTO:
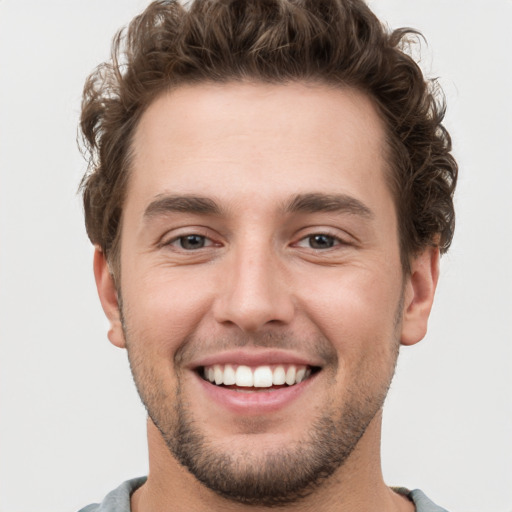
(71, 425)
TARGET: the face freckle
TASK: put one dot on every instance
(282, 252)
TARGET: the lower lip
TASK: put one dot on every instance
(255, 402)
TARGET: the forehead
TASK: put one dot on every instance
(238, 139)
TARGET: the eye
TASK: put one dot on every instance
(191, 242)
(319, 241)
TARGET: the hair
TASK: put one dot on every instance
(335, 42)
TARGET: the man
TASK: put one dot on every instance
(270, 189)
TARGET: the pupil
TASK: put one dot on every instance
(321, 241)
(192, 242)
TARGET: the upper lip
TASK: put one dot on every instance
(255, 358)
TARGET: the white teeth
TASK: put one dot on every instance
(219, 374)
(259, 377)
(299, 377)
(244, 377)
(263, 377)
(279, 376)
(229, 375)
(290, 376)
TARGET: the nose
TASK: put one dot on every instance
(255, 292)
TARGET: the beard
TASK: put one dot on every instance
(256, 476)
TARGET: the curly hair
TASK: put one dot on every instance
(336, 42)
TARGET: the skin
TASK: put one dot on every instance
(251, 148)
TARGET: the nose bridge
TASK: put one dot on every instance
(256, 292)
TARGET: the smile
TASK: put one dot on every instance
(267, 377)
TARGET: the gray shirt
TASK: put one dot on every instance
(119, 499)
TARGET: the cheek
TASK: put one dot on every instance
(163, 309)
(355, 310)
(358, 318)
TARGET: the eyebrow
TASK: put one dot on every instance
(185, 204)
(319, 202)
(301, 203)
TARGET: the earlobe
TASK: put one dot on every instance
(108, 297)
(419, 293)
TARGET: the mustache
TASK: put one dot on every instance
(195, 346)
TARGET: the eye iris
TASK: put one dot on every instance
(321, 241)
(192, 242)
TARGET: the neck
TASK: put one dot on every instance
(357, 486)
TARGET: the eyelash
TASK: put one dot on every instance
(333, 240)
(180, 241)
(207, 242)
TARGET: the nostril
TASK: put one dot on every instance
(252, 304)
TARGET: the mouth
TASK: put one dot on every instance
(243, 378)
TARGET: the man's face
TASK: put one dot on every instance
(259, 241)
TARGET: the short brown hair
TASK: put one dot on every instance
(336, 42)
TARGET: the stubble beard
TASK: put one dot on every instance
(271, 478)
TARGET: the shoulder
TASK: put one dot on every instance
(117, 500)
(420, 500)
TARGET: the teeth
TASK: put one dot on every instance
(218, 374)
(258, 377)
(263, 377)
(229, 375)
(279, 376)
(290, 376)
(244, 377)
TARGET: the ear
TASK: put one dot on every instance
(108, 298)
(420, 287)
